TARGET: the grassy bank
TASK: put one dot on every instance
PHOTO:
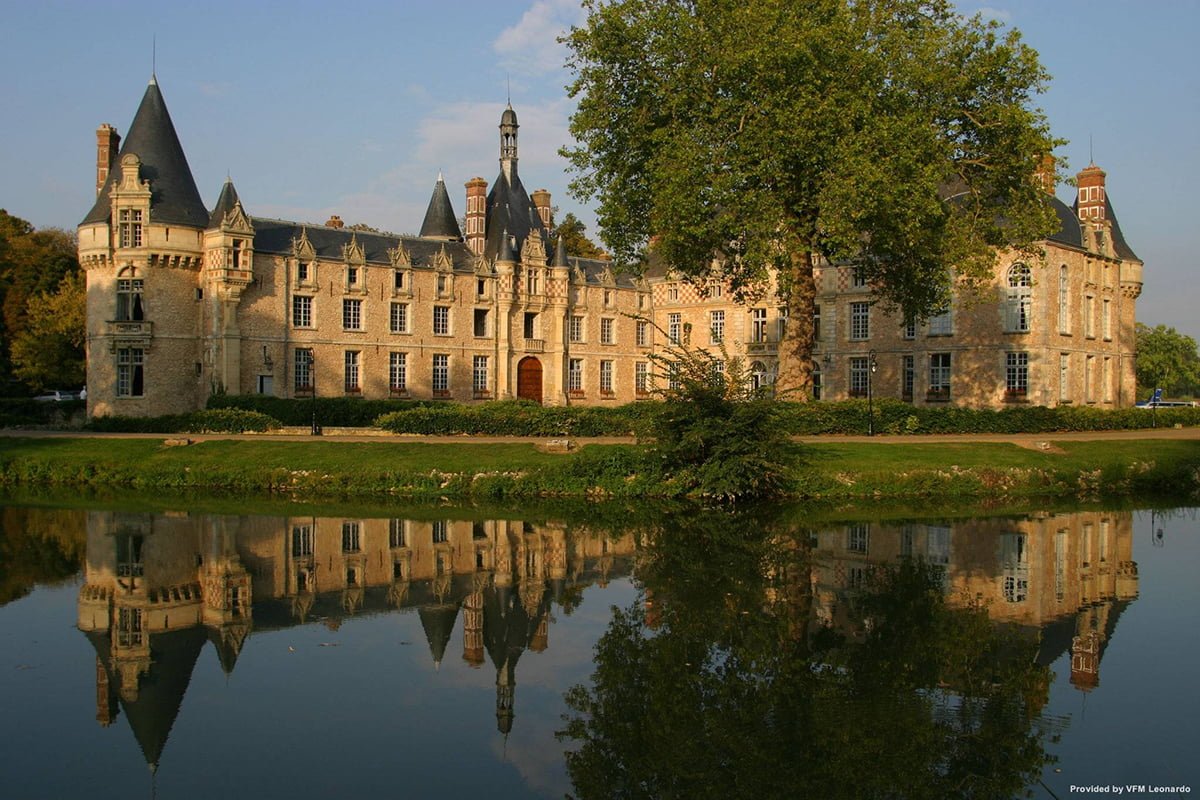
(832, 471)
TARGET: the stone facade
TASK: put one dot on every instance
(184, 303)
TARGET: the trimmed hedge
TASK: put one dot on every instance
(340, 412)
(518, 418)
(522, 418)
(212, 420)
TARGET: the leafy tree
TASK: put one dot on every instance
(716, 434)
(49, 351)
(781, 132)
(578, 244)
(31, 262)
(727, 688)
(1166, 359)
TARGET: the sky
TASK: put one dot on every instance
(353, 108)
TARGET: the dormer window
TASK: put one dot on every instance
(443, 285)
(353, 275)
(237, 253)
(531, 282)
(398, 280)
(303, 271)
(130, 227)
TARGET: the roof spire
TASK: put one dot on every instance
(154, 58)
(440, 221)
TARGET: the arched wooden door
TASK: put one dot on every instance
(529, 379)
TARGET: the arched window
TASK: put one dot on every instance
(1017, 305)
(129, 297)
(759, 377)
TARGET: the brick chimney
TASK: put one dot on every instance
(108, 144)
(475, 233)
(541, 201)
(1045, 174)
(1091, 193)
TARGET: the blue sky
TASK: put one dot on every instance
(317, 108)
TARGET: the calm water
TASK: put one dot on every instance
(449, 653)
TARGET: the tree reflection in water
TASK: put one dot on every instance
(721, 682)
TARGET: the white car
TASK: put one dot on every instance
(57, 396)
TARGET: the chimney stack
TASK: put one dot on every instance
(1091, 193)
(108, 144)
(475, 234)
(541, 201)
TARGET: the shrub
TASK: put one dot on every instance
(224, 420)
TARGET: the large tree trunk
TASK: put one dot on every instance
(795, 349)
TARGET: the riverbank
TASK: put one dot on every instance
(828, 469)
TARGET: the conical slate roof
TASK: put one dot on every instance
(225, 204)
(509, 210)
(152, 138)
(560, 253)
(438, 622)
(440, 221)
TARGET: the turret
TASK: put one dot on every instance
(440, 221)
(508, 142)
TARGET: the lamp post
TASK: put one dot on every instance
(871, 367)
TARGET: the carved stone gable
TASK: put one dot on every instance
(534, 249)
(131, 179)
(399, 255)
(352, 253)
(578, 275)
(237, 221)
(303, 248)
(442, 261)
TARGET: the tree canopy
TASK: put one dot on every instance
(1166, 359)
(573, 232)
(894, 133)
(48, 351)
(32, 262)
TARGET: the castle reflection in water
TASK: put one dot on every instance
(158, 586)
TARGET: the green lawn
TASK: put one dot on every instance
(828, 470)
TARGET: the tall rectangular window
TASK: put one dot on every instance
(860, 321)
(302, 311)
(643, 333)
(606, 377)
(1089, 379)
(641, 377)
(575, 332)
(531, 326)
(303, 270)
(479, 374)
(441, 320)
(939, 376)
(858, 278)
(1064, 377)
(303, 370)
(353, 383)
(352, 314)
(817, 322)
(716, 327)
(131, 379)
(758, 325)
(131, 227)
(398, 372)
(302, 541)
(674, 327)
(607, 330)
(908, 375)
(398, 280)
(129, 300)
(1064, 306)
(441, 373)
(441, 531)
(1106, 319)
(353, 278)
(909, 330)
(816, 380)
(481, 326)
(859, 375)
(398, 318)
(351, 537)
(1089, 316)
(575, 375)
(1106, 392)
(1016, 374)
(397, 533)
(781, 323)
(941, 324)
(1019, 299)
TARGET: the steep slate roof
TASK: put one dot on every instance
(276, 235)
(510, 209)
(1120, 246)
(225, 204)
(152, 137)
(438, 622)
(440, 221)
